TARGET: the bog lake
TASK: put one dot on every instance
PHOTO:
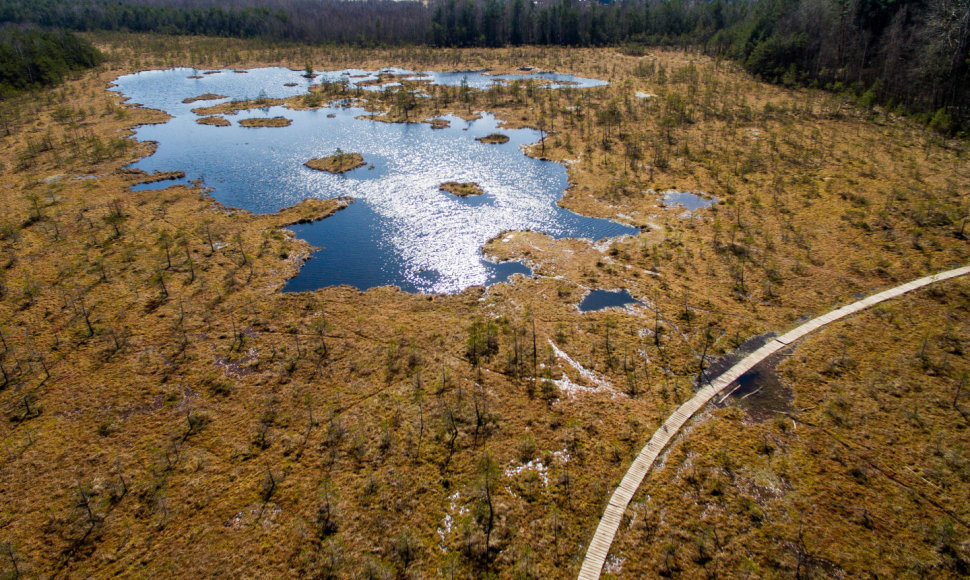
(402, 229)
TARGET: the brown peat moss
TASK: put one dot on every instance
(204, 97)
(493, 138)
(214, 120)
(337, 163)
(461, 189)
(266, 122)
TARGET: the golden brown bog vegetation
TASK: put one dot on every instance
(494, 139)
(339, 162)
(203, 97)
(167, 410)
(214, 120)
(461, 189)
(265, 122)
(855, 463)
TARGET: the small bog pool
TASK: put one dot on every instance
(602, 299)
(685, 199)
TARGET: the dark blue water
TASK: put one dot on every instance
(402, 230)
(601, 299)
(354, 237)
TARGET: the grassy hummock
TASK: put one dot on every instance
(339, 162)
(266, 122)
(461, 189)
(494, 138)
(214, 120)
(205, 97)
(231, 107)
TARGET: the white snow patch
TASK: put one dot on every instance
(601, 385)
(571, 389)
(602, 245)
(449, 521)
(535, 465)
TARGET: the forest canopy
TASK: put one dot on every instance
(910, 53)
(31, 58)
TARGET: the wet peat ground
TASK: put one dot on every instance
(760, 392)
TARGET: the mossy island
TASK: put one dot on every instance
(214, 120)
(440, 123)
(266, 122)
(339, 162)
(205, 97)
(231, 107)
(493, 139)
(461, 189)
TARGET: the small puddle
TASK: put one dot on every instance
(760, 391)
(603, 299)
(687, 200)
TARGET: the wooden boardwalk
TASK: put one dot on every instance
(599, 546)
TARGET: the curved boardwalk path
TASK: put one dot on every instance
(599, 546)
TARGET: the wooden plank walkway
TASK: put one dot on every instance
(599, 546)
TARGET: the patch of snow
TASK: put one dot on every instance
(571, 389)
(449, 521)
(535, 465)
(601, 385)
(602, 245)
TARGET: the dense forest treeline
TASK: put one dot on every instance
(30, 57)
(913, 53)
(317, 21)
